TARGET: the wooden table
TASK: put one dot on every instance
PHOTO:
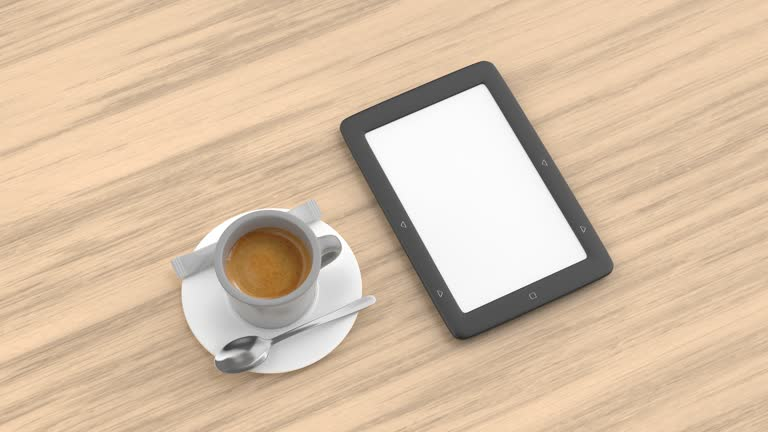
(130, 128)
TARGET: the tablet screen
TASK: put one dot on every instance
(475, 198)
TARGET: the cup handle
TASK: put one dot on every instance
(330, 248)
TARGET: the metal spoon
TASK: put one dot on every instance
(247, 352)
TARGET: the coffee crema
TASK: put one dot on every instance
(268, 263)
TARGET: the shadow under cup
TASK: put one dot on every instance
(280, 311)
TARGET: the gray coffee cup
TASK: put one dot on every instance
(280, 311)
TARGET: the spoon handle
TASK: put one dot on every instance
(341, 312)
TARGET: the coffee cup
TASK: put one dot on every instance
(279, 311)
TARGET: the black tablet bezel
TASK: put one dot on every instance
(463, 325)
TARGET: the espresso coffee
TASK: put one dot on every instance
(268, 263)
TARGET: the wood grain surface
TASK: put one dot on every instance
(132, 127)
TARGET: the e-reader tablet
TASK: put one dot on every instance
(488, 222)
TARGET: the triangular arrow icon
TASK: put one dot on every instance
(583, 228)
(402, 224)
(544, 162)
(439, 293)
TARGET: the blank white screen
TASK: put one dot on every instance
(473, 195)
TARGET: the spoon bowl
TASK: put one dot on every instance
(243, 354)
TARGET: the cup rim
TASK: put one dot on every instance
(234, 292)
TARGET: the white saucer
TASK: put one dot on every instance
(214, 323)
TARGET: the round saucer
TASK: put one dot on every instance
(214, 322)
